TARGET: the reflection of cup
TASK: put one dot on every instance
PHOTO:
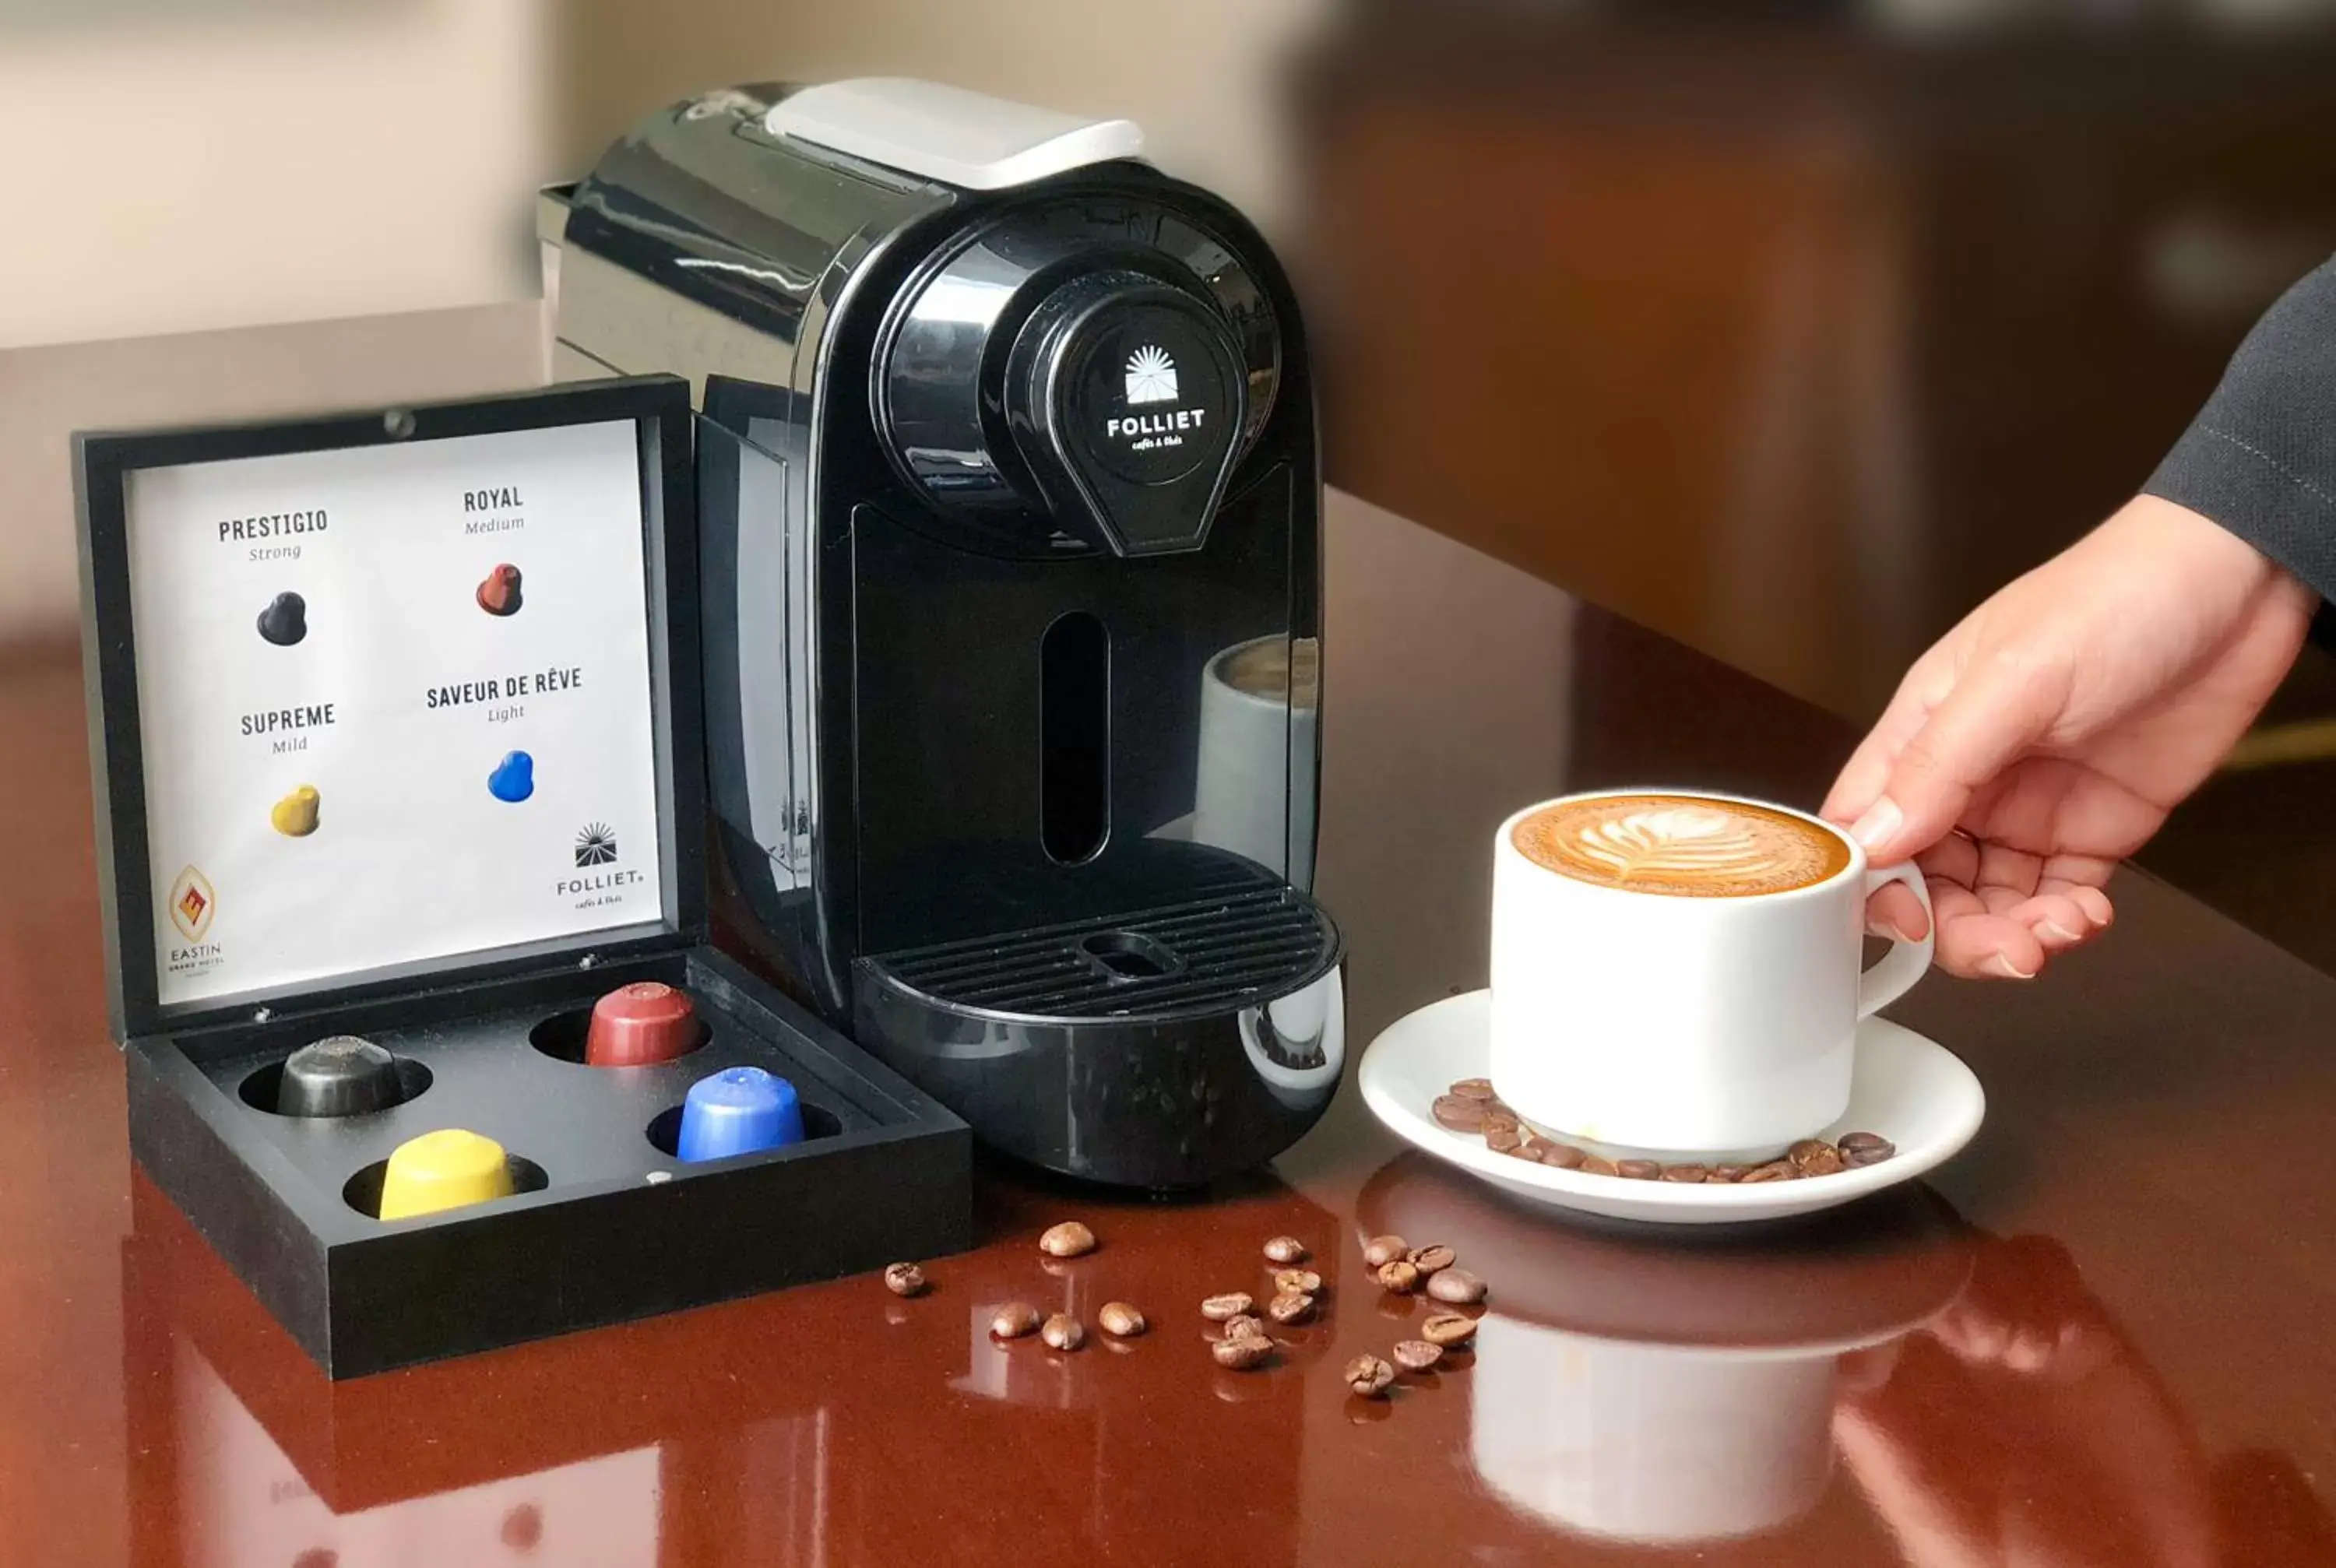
(1254, 792)
(1665, 1390)
(1651, 1442)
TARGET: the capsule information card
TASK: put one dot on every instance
(394, 703)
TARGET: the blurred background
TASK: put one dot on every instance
(1790, 330)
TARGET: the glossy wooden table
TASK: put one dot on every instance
(2103, 1336)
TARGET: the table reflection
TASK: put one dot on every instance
(1671, 1387)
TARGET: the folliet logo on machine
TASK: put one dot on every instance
(193, 904)
(596, 845)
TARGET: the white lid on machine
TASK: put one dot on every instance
(949, 134)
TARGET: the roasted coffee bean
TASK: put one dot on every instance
(1688, 1173)
(1418, 1355)
(1502, 1139)
(904, 1279)
(1774, 1171)
(1369, 1376)
(1428, 1259)
(1564, 1156)
(1068, 1240)
(1447, 1329)
(1120, 1320)
(1729, 1173)
(1290, 1307)
(1231, 1304)
(1399, 1276)
(1014, 1320)
(1596, 1166)
(1639, 1170)
(1499, 1116)
(1285, 1250)
(1859, 1149)
(1459, 1114)
(1297, 1281)
(1381, 1249)
(1814, 1157)
(1457, 1287)
(1064, 1332)
(1528, 1149)
(1244, 1326)
(1243, 1352)
(1473, 1089)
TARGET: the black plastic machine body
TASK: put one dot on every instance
(1010, 515)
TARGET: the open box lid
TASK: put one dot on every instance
(386, 699)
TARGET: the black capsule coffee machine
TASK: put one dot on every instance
(1010, 527)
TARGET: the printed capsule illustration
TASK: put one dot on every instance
(295, 816)
(513, 779)
(499, 594)
(285, 621)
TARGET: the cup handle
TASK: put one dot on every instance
(1906, 961)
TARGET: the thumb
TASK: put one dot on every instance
(1997, 710)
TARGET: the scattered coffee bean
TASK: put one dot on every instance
(1068, 1240)
(1382, 1250)
(1564, 1156)
(1473, 1089)
(904, 1279)
(1064, 1332)
(1447, 1329)
(1528, 1148)
(1398, 1275)
(1014, 1320)
(1459, 1114)
(1814, 1157)
(1296, 1282)
(1595, 1165)
(1120, 1320)
(1499, 1116)
(1244, 1326)
(1243, 1352)
(1685, 1173)
(1859, 1159)
(1418, 1355)
(1290, 1307)
(1502, 1140)
(1429, 1259)
(1774, 1171)
(1729, 1173)
(1369, 1376)
(1637, 1169)
(1285, 1250)
(1455, 1287)
(1231, 1304)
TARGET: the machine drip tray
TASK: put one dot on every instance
(1201, 956)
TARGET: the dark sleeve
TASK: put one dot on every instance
(2261, 457)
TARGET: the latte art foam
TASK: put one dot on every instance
(1681, 845)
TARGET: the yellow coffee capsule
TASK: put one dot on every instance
(295, 816)
(443, 1170)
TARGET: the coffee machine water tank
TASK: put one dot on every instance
(1010, 532)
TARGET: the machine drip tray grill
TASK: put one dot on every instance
(1206, 952)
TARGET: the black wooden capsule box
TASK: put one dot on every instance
(607, 1224)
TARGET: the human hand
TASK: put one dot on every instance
(2045, 738)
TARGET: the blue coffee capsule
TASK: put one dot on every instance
(513, 779)
(738, 1111)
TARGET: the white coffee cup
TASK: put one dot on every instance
(1254, 789)
(1721, 1027)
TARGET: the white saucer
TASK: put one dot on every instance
(1910, 1089)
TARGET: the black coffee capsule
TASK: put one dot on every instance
(285, 621)
(341, 1076)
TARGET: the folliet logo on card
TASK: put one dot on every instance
(596, 851)
(193, 904)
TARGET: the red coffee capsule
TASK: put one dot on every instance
(499, 594)
(640, 1025)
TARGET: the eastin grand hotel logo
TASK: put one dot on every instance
(193, 904)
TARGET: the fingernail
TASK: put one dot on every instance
(1896, 933)
(1882, 819)
(2058, 933)
(1998, 965)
